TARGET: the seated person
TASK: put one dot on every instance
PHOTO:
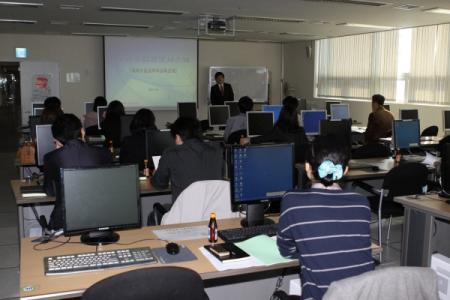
(111, 127)
(380, 121)
(239, 122)
(286, 130)
(52, 110)
(133, 147)
(189, 161)
(71, 152)
(90, 119)
(326, 228)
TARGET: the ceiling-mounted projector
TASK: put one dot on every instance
(217, 25)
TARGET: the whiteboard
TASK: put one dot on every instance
(246, 81)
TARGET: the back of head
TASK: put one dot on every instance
(142, 120)
(378, 99)
(49, 115)
(66, 127)
(328, 159)
(99, 101)
(288, 119)
(52, 103)
(115, 109)
(245, 104)
(186, 128)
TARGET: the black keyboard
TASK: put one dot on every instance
(243, 233)
(93, 261)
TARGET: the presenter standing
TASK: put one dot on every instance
(221, 91)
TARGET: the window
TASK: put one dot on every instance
(406, 65)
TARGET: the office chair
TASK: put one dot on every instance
(387, 283)
(372, 151)
(169, 283)
(430, 131)
(404, 179)
(234, 137)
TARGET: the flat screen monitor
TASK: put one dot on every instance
(259, 122)
(276, 109)
(158, 141)
(125, 122)
(387, 107)
(339, 112)
(328, 106)
(45, 142)
(259, 174)
(187, 109)
(234, 108)
(409, 114)
(32, 122)
(101, 113)
(37, 107)
(88, 107)
(311, 121)
(446, 118)
(406, 134)
(96, 201)
(218, 115)
(341, 129)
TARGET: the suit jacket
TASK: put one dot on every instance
(216, 96)
(74, 154)
(182, 165)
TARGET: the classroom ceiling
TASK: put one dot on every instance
(260, 20)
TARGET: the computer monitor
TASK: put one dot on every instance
(218, 115)
(32, 122)
(341, 129)
(406, 134)
(339, 111)
(88, 107)
(234, 108)
(259, 174)
(45, 142)
(409, 114)
(311, 120)
(101, 112)
(445, 170)
(158, 141)
(259, 122)
(276, 109)
(387, 107)
(96, 201)
(37, 107)
(446, 118)
(328, 106)
(125, 122)
(187, 109)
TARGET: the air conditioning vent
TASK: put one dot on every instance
(357, 2)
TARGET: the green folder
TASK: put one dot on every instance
(264, 249)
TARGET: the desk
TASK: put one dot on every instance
(65, 286)
(426, 229)
(46, 203)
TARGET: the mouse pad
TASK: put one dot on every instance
(165, 258)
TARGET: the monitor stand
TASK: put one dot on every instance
(255, 216)
(98, 237)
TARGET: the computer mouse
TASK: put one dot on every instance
(172, 248)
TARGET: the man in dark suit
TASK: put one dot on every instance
(221, 91)
(71, 152)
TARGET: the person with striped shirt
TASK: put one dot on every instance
(326, 228)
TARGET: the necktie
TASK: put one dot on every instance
(221, 89)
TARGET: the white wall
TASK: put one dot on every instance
(299, 73)
(84, 55)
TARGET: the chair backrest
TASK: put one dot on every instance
(234, 137)
(430, 131)
(169, 283)
(406, 179)
(371, 151)
(387, 283)
(200, 199)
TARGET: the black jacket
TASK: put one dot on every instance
(75, 154)
(217, 98)
(182, 165)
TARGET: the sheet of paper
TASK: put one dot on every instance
(240, 264)
(264, 249)
(183, 233)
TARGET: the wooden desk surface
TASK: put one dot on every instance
(33, 282)
(146, 189)
(432, 204)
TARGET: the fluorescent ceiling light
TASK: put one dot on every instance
(116, 25)
(438, 10)
(143, 10)
(268, 19)
(20, 4)
(18, 21)
(70, 7)
(97, 34)
(365, 26)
